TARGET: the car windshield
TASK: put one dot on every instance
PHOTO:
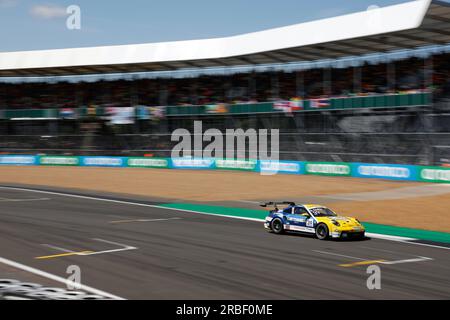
(322, 212)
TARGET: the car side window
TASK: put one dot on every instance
(300, 210)
(287, 211)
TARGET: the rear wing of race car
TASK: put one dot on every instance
(276, 203)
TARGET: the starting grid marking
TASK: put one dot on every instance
(143, 220)
(68, 253)
(363, 261)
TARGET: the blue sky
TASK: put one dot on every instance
(35, 24)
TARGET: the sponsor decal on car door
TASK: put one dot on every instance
(299, 220)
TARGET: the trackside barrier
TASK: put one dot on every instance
(329, 168)
(434, 174)
(390, 171)
(18, 160)
(137, 162)
(192, 163)
(59, 161)
(103, 161)
(358, 170)
(285, 167)
(240, 165)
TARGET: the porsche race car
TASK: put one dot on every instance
(311, 219)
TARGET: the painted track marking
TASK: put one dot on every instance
(361, 263)
(23, 200)
(418, 259)
(53, 277)
(57, 248)
(67, 254)
(338, 255)
(124, 248)
(143, 220)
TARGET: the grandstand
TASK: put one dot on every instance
(378, 93)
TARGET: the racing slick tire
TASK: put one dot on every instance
(322, 232)
(277, 226)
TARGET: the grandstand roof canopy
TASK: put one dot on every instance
(405, 26)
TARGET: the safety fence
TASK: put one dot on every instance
(359, 170)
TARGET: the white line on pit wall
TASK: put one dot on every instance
(372, 235)
(57, 278)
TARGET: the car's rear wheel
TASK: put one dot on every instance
(322, 232)
(277, 226)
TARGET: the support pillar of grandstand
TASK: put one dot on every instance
(300, 84)
(193, 92)
(251, 85)
(428, 72)
(163, 94)
(327, 78)
(357, 79)
(391, 82)
(227, 89)
(275, 85)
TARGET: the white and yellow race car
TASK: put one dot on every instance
(312, 219)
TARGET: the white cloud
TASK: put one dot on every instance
(49, 11)
(8, 3)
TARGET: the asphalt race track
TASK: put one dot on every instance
(143, 252)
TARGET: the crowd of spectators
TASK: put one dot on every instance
(403, 75)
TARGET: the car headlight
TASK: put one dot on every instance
(337, 224)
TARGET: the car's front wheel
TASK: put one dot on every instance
(322, 232)
(277, 226)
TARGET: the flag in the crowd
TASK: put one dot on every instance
(217, 108)
(296, 104)
(67, 113)
(92, 110)
(289, 106)
(143, 112)
(282, 106)
(121, 115)
(320, 103)
(157, 112)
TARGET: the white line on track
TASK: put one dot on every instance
(338, 255)
(124, 248)
(58, 279)
(246, 201)
(424, 244)
(58, 248)
(143, 220)
(419, 259)
(388, 237)
(372, 235)
(23, 200)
